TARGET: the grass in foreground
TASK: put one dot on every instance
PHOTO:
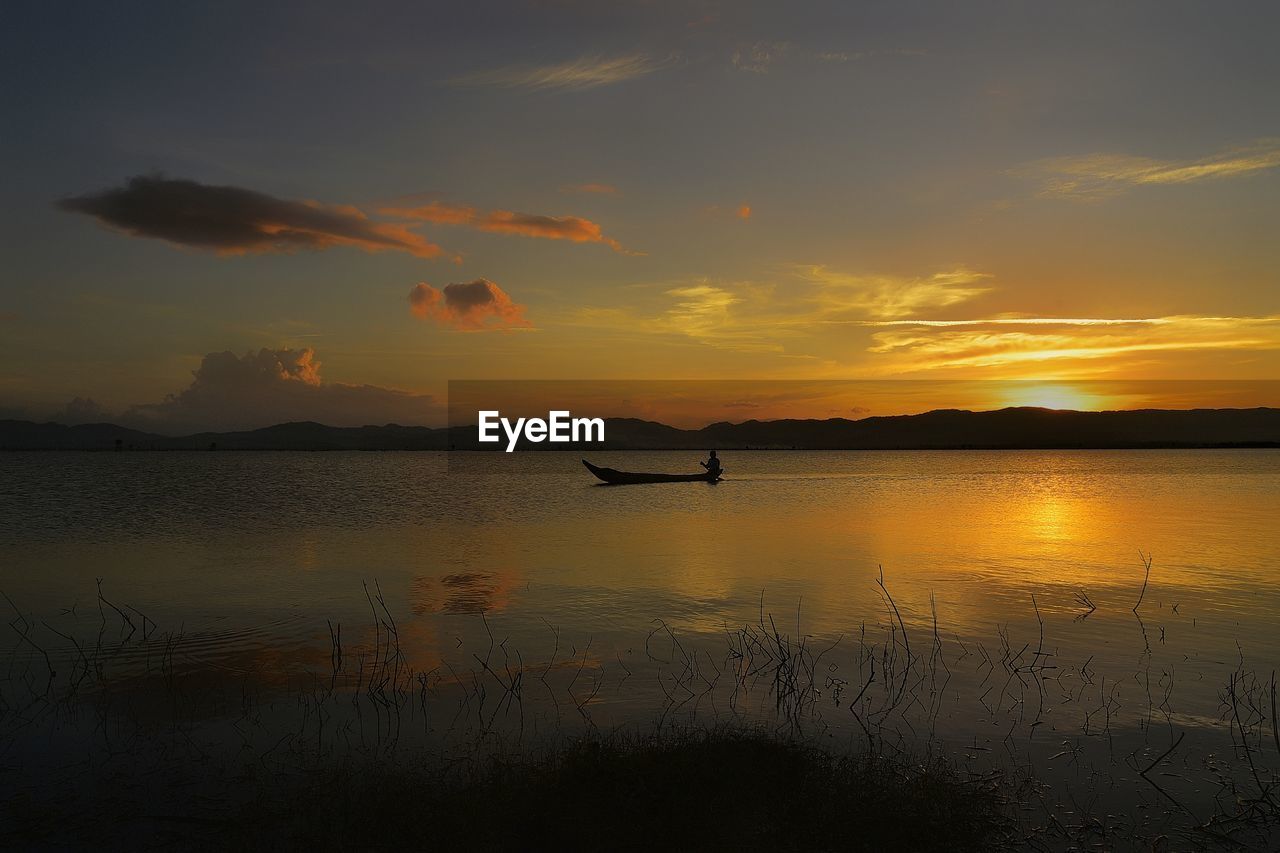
(708, 790)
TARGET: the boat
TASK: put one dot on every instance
(619, 478)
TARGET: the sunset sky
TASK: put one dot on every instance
(327, 211)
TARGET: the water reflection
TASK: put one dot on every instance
(463, 592)
(625, 604)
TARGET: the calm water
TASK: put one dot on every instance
(251, 557)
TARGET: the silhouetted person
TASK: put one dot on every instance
(712, 465)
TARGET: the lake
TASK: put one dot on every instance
(1005, 631)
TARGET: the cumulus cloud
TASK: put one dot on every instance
(475, 306)
(236, 221)
(575, 229)
(271, 386)
(1097, 176)
(588, 72)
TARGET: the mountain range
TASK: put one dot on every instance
(1011, 428)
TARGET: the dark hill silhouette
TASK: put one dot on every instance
(302, 435)
(1014, 428)
(26, 435)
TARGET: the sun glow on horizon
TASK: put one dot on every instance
(1056, 396)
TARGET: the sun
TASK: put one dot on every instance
(1053, 397)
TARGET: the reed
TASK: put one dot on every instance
(856, 711)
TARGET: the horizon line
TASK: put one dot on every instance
(707, 425)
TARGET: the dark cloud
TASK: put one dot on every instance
(273, 386)
(236, 221)
(475, 306)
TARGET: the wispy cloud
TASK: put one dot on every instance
(887, 297)
(923, 345)
(813, 311)
(842, 56)
(720, 314)
(1024, 321)
(757, 316)
(724, 315)
(701, 309)
(575, 229)
(1092, 177)
(236, 221)
(759, 57)
(587, 72)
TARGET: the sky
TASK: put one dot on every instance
(229, 215)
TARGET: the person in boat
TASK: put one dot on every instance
(712, 465)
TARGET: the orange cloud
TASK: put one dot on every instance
(744, 212)
(572, 228)
(236, 221)
(476, 306)
(437, 211)
(1003, 342)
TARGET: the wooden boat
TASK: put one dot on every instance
(618, 478)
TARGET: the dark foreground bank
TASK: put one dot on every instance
(717, 789)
